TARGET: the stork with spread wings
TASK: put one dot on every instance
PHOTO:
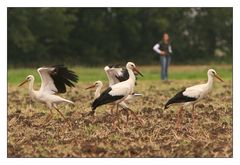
(53, 80)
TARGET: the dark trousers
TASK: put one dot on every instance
(165, 62)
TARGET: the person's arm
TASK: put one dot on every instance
(170, 49)
(157, 50)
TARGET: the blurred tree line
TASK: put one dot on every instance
(93, 36)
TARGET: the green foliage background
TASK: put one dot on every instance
(96, 36)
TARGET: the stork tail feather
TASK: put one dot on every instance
(137, 94)
(68, 101)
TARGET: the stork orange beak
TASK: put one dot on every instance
(22, 83)
(92, 86)
(136, 70)
(219, 78)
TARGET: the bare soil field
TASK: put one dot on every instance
(103, 136)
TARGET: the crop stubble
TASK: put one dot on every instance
(210, 136)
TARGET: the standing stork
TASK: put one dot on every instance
(192, 95)
(54, 80)
(98, 85)
(115, 75)
(117, 93)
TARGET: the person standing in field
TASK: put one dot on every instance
(164, 49)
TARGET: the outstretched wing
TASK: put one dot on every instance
(47, 84)
(116, 74)
(122, 75)
(55, 78)
(112, 72)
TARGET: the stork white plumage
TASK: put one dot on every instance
(192, 95)
(53, 80)
(116, 74)
(112, 72)
(117, 93)
(98, 85)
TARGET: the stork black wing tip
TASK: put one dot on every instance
(166, 107)
(63, 77)
(117, 65)
(91, 113)
(114, 65)
(58, 65)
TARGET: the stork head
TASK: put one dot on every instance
(28, 79)
(132, 66)
(96, 84)
(106, 68)
(213, 73)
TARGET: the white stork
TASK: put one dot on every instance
(98, 85)
(192, 95)
(54, 80)
(116, 74)
(117, 93)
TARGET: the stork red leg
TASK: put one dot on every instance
(48, 118)
(91, 113)
(117, 110)
(117, 114)
(116, 119)
(134, 114)
(193, 113)
(112, 109)
(62, 115)
(127, 115)
(179, 116)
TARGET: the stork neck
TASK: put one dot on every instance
(210, 81)
(132, 77)
(109, 80)
(98, 90)
(31, 85)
